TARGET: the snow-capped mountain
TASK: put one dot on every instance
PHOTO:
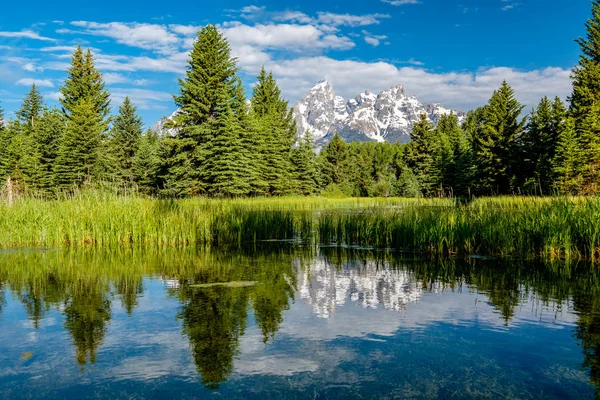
(159, 126)
(371, 285)
(387, 116)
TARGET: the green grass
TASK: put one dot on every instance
(524, 227)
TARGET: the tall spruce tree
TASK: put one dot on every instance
(277, 129)
(146, 163)
(47, 136)
(85, 81)
(80, 147)
(539, 142)
(585, 99)
(31, 109)
(567, 165)
(422, 153)
(334, 161)
(305, 166)
(125, 137)
(83, 151)
(228, 169)
(209, 82)
(496, 140)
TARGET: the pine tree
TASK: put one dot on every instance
(585, 99)
(305, 166)
(228, 169)
(586, 76)
(125, 137)
(209, 81)
(146, 163)
(47, 136)
(495, 143)
(422, 153)
(84, 81)
(79, 150)
(32, 107)
(334, 160)
(277, 129)
(83, 151)
(567, 162)
(539, 142)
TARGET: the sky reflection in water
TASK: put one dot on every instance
(330, 324)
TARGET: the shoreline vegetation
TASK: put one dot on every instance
(565, 228)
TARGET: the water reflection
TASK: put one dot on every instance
(355, 294)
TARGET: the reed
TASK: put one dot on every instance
(524, 227)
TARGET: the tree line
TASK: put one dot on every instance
(225, 145)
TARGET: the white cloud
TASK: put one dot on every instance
(56, 96)
(51, 49)
(374, 40)
(401, 2)
(510, 4)
(146, 36)
(350, 20)
(185, 30)
(285, 36)
(142, 98)
(37, 82)
(111, 78)
(142, 82)
(26, 34)
(31, 67)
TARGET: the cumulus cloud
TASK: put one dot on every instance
(26, 34)
(285, 36)
(146, 36)
(37, 82)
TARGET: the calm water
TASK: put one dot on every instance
(317, 324)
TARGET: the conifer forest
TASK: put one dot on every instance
(226, 145)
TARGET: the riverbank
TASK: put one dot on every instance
(524, 227)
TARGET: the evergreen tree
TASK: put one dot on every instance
(585, 99)
(209, 82)
(567, 162)
(31, 109)
(334, 160)
(146, 163)
(539, 143)
(79, 149)
(84, 81)
(306, 167)
(277, 128)
(126, 136)
(47, 137)
(228, 168)
(495, 142)
(421, 155)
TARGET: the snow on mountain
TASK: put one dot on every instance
(388, 116)
(159, 126)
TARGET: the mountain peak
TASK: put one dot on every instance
(387, 116)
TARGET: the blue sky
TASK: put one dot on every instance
(455, 53)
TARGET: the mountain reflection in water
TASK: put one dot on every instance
(326, 323)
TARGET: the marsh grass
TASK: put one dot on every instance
(523, 227)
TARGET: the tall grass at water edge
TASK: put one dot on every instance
(524, 227)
